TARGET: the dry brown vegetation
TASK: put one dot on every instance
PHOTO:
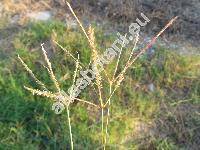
(159, 11)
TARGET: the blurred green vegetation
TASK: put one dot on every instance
(27, 121)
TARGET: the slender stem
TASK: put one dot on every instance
(108, 113)
(50, 70)
(75, 75)
(116, 67)
(80, 24)
(65, 50)
(102, 126)
(70, 129)
(80, 100)
(110, 96)
(134, 47)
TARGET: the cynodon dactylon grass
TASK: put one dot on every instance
(103, 80)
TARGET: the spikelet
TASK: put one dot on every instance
(92, 39)
(50, 71)
(94, 55)
(32, 74)
(120, 79)
(40, 93)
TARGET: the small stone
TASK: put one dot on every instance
(151, 87)
(71, 23)
(40, 16)
(15, 19)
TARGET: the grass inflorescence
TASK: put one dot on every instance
(108, 108)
